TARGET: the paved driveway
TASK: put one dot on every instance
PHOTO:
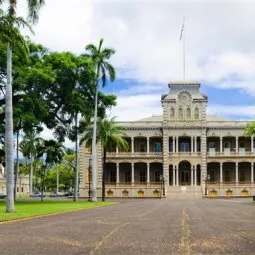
(139, 227)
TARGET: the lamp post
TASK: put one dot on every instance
(90, 159)
(162, 181)
(206, 179)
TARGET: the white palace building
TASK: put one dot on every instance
(183, 152)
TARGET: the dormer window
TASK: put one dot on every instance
(180, 113)
(172, 113)
(188, 113)
(196, 114)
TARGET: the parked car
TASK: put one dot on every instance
(56, 194)
(36, 194)
(68, 194)
(2, 196)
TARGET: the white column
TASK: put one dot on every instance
(177, 144)
(177, 176)
(173, 175)
(252, 140)
(252, 172)
(117, 149)
(117, 172)
(191, 149)
(221, 140)
(132, 144)
(237, 147)
(148, 144)
(173, 144)
(195, 172)
(195, 144)
(237, 172)
(221, 175)
(192, 178)
(132, 173)
(148, 172)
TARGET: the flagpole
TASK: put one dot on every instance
(184, 48)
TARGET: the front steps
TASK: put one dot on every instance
(184, 192)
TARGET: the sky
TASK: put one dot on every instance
(219, 48)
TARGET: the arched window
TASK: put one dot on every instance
(196, 115)
(172, 113)
(180, 113)
(188, 113)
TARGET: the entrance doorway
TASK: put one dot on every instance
(185, 173)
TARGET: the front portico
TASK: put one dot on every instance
(184, 174)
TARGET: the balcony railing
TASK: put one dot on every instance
(229, 153)
(186, 153)
(135, 154)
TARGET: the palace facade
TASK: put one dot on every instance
(183, 152)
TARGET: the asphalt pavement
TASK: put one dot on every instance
(139, 227)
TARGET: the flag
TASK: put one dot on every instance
(182, 30)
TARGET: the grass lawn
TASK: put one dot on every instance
(26, 209)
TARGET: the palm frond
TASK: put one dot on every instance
(34, 7)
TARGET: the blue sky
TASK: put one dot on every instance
(220, 52)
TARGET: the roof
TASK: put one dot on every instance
(159, 118)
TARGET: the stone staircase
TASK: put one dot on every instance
(184, 192)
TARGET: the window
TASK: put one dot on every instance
(242, 145)
(142, 147)
(227, 145)
(22, 190)
(112, 176)
(17, 189)
(188, 113)
(128, 176)
(227, 176)
(157, 176)
(142, 176)
(212, 176)
(196, 115)
(170, 147)
(212, 145)
(172, 113)
(242, 176)
(184, 147)
(180, 113)
(157, 147)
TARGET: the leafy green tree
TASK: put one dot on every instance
(53, 152)
(31, 141)
(110, 135)
(103, 70)
(250, 128)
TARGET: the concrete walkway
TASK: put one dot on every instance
(139, 227)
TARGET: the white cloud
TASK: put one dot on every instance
(220, 39)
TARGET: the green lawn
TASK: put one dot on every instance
(26, 209)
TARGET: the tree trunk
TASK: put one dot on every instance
(57, 178)
(94, 147)
(42, 181)
(10, 206)
(17, 166)
(76, 180)
(31, 176)
(104, 175)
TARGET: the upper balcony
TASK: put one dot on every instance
(140, 147)
(230, 146)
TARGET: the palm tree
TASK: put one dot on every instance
(9, 33)
(31, 141)
(103, 70)
(53, 152)
(110, 135)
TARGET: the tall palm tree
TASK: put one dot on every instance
(9, 33)
(28, 147)
(110, 135)
(103, 70)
